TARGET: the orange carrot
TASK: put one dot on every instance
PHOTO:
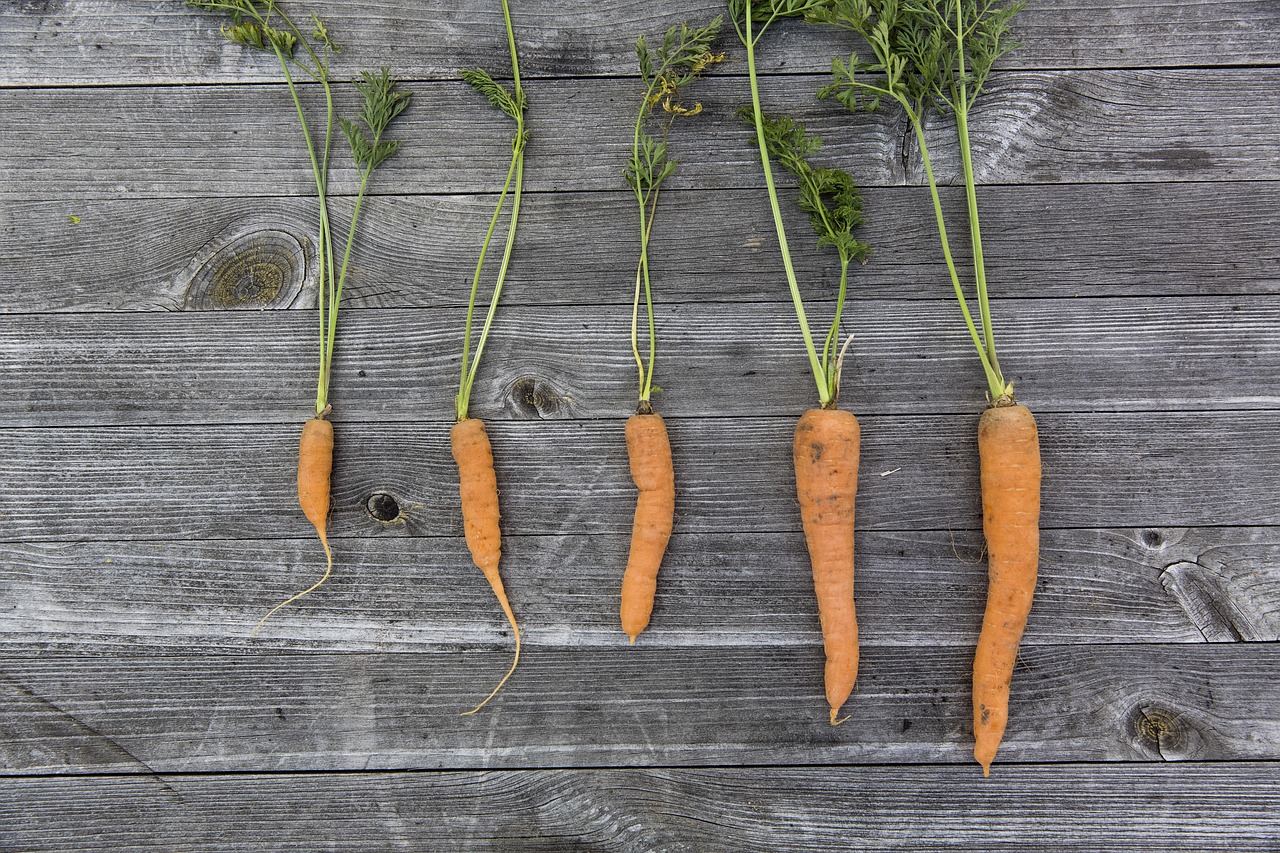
(651, 469)
(826, 462)
(478, 486)
(1009, 452)
(315, 464)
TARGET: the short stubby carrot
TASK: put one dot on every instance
(826, 461)
(1009, 453)
(651, 469)
(315, 466)
(478, 487)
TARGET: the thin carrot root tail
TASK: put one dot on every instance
(649, 450)
(315, 466)
(478, 489)
(328, 570)
(826, 453)
(1009, 452)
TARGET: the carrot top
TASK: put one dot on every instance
(679, 60)
(829, 196)
(511, 102)
(930, 54)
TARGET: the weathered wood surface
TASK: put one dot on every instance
(616, 705)
(1171, 239)
(733, 474)
(108, 42)
(915, 588)
(1037, 127)
(1146, 809)
(149, 410)
(722, 359)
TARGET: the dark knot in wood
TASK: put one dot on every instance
(262, 269)
(383, 507)
(532, 398)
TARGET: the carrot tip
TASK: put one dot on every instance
(328, 570)
(633, 638)
(836, 722)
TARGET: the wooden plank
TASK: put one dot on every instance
(620, 706)
(730, 360)
(91, 42)
(1164, 469)
(1218, 584)
(1055, 809)
(419, 251)
(1032, 127)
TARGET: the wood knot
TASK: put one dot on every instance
(262, 269)
(532, 398)
(383, 507)
(1153, 539)
(1167, 734)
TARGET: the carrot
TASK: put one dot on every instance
(826, 463)
(654, 475)
(478, 486)
(937, 54)
(1009, 453)
(666, 71)
(825, 450)
(315, 464)
(477, 481)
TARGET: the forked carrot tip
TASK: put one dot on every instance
(836, 722)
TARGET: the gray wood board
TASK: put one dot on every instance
(1075, 808)
(620, 706)
(1164, 469)
(91, 42)
(727, 360)
(1031, 127)
(1171, 239)
(1150, 585)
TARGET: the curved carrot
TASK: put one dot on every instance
(478, 486)
(826, 461)
(1009, 453)
(650, 453)
(315, 464)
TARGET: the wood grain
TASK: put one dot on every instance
(728, 590)
(1162, 469)
(92, 42)
(623, 706)
(572, 363)
(1031, 128)
(1172, 239)
(1145, 809)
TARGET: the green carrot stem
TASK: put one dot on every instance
(819, 376)
(994, 381)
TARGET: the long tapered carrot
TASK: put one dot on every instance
(1009, 453)
(478, 487)
(826, 461)
(315, 464)
(650, 453)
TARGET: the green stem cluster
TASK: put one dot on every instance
(263, 25)
(825, 369)
(931, 53)
(513, 104)
(681, 58)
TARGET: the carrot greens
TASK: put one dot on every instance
(512, 103)
(925, 55)
(264, 25)
(665, 71)
(829, 196)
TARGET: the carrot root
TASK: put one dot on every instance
(649, 450)
(315, 465)
(1009, 454)
(826, 461)
(478, 488)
